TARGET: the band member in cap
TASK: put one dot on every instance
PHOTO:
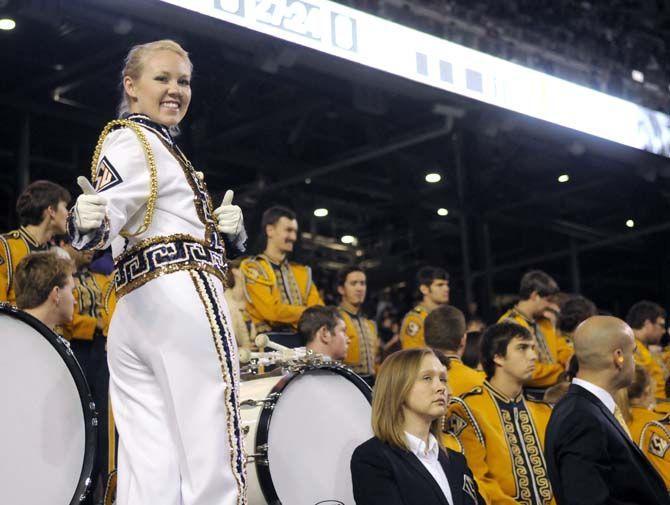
(172, 356)
(434, 288)
(278, 291)
(362, 332)
(42, 211)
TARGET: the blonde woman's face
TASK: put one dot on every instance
(429, 395)
(163, 90)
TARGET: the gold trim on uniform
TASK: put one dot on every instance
(16, 244)
(207, 293)
(526, 456)
(190, 264)
(151, 161)
(457, 427)
(365, 338)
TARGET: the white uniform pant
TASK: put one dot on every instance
(174, 388)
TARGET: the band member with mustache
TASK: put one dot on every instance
(42, 211)
(502, 433)
(553, 351)
(363, 340)
(278, 291)
(433, 284)
(174, 373)
(405, 463)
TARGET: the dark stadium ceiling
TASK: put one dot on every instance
(284, 124)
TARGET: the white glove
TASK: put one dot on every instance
(90, 209)
(229, 218)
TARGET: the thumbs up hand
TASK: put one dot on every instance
(90, 209)
(229, 217)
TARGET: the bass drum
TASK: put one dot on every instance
(48, 423)
(300, 432)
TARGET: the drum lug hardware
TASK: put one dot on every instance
(91, 406)
(245, 430)
(82, 496)
(94, 421)
(259, 459)
(255, 403)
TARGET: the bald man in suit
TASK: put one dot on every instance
(591, 458)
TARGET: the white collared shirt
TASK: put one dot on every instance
(429, 459)
(599, 392)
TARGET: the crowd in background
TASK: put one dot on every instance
(502, 377)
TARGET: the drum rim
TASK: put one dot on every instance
(263, 429)
(87, 405)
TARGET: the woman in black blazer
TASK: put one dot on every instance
(405, 463)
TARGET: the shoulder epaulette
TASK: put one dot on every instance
(8, 258)
(541, 402)
(657, 445)
(254, 272)
(456, 424)
(477, 390)
(14, 234)
(151, 162)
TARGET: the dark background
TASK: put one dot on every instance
(282, 124)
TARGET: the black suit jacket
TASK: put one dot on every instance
(592, 461)
(386, 475)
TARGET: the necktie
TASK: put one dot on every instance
(622, 422)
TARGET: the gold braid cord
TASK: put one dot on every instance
(151, 161)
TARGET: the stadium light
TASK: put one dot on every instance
(433, 177)
(563, 178)
(348, 239)
(630, 223)
(321, 212)
(442, 211)
(637, 76)
(7, 24)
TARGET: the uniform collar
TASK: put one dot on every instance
(159, 129)
(502, 396)
(30, 239)
(523, 316)
(272, 263)
(350, 312)
(419, 448)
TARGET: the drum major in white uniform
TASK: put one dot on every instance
(174, 377)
